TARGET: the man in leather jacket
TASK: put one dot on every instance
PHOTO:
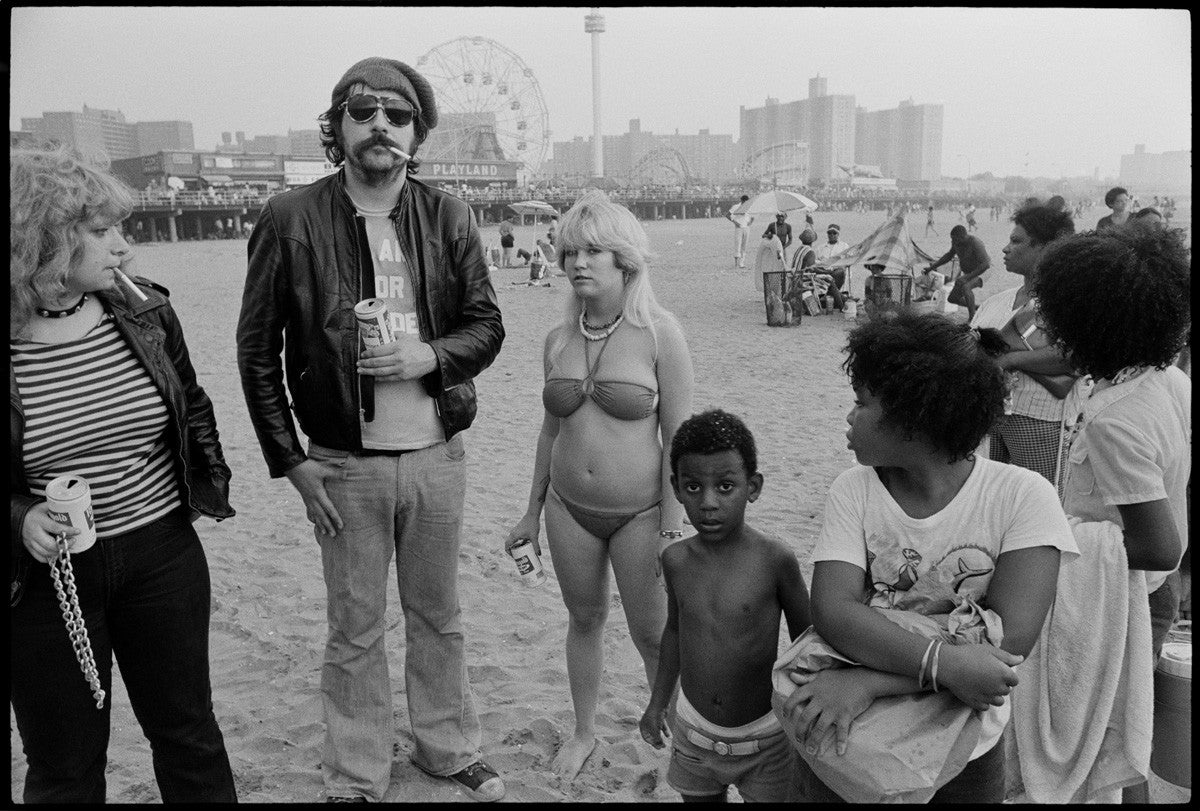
(384, 470)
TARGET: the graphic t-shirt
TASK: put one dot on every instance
(405, 416)
(924, 564)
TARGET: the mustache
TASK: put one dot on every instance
(377, 140)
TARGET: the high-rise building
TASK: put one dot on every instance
(1150, 171)
(640, 157)
(905, 142)
(107, 133)
(91, 132)
(160, 136)
(709, 158)
(826, 123)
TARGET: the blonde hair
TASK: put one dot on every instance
(52, 191)
(597, 221)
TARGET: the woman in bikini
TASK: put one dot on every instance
(618, 384)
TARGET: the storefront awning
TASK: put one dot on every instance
(217, 180)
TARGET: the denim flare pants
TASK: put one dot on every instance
(410, 505)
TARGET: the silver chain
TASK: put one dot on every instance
(68, 601)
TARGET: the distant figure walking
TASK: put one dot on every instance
(971, 217)
(741, 234)
(929, 221)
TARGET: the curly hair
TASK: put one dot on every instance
(931, 376)
(331, 134)
(1044, 223)
(714, 431)
(52, 192)
(1112, 194)
(1117, 298)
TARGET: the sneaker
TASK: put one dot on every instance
(335, 799)
(481, 782)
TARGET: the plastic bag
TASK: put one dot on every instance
(902, 749)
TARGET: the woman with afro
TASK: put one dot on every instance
(1130, 461)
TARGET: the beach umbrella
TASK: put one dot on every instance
(775, 202)
(532, 207)
(890, 245)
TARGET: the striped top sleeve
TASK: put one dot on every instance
(92, 411)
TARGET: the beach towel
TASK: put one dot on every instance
(1083, 714)
(902, 749)
(768, 260)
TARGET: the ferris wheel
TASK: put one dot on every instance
(490, 104)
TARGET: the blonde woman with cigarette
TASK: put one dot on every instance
(101, 389)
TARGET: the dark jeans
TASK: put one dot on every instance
(981, 781)
(145, 598)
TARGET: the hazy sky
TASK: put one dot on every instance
(1026, 91)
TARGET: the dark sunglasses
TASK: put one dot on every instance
(362, 107)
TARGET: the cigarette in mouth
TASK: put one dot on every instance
(400, 152)
(129, 283)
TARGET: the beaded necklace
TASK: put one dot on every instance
(601, 332)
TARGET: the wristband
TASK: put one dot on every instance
(924, 664)
(670, 533)
(934, 667)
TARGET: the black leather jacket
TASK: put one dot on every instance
(152, 331)
(309, 264)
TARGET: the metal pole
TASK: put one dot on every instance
(594, 24)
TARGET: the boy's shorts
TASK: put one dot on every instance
(760, 777)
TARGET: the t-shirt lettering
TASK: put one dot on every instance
(405, 416)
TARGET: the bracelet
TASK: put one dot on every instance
(934, 667)
(670, 533)
(924, 663)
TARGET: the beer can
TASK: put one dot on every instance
(69, 501)
(373, 324)
(529, 562)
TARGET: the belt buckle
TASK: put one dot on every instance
(721, 748)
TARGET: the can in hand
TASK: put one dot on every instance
(529, 562)
(69, 501)
(373, 324)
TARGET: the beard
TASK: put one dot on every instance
(376, 166)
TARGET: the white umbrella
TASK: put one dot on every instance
(775, 202)
(532, 207)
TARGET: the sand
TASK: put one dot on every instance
(268, 599)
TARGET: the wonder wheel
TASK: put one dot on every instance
(490, 105)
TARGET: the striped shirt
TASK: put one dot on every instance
(92, 411)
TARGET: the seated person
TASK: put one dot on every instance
(805, 261)
(927, 284)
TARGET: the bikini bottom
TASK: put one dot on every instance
(600, 523)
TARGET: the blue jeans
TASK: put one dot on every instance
(145, 598)
(412, 505)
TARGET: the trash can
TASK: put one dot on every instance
(1171, 751)
(775, 288)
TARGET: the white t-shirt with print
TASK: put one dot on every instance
(405, 416)
(921, 564)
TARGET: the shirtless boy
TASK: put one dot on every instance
(726, 587)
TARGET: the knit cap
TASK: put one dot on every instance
(389, 74)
